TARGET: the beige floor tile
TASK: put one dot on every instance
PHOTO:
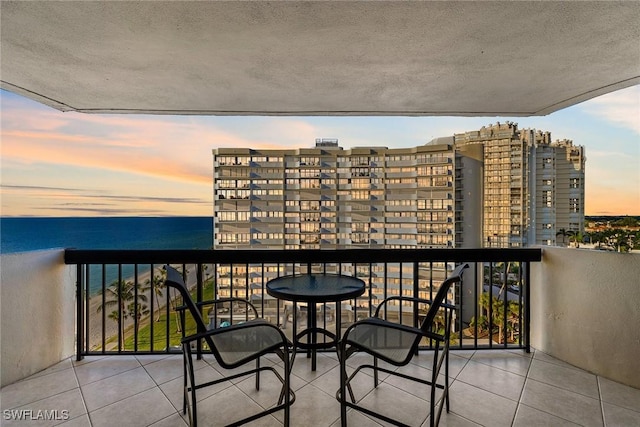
(140, 410)
(397, 404)
(506, 360)
(452, 420)
(60, 407)
(562, 403)
(81, 421)
(224, 407)
(494, 380)
(419, 390)
(145, 359)
(174, 420)
(619, 394)
(174, 389)
(116, 388)
(164, 370)
(313, 407)
(61, 366)
(95, 370)
(355, 418)
(615, 416)
(456, 363)
(481, 406)
(467, 354)
(329, 382)
(538, 355)
(37, 388)
(531, 417)
(570, 379)
(270, 388)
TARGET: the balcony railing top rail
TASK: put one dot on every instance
(222, 256)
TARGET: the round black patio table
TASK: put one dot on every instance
(313, 289)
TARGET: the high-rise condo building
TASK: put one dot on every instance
(532, 188)
(495, 187)
(326, 197)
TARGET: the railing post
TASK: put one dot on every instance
(527, 307)
(416, 294)
(199, 298)
(79, 314)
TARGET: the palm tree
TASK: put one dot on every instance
(119, 295)
(136, 311)
(156, 283)
(573, 237)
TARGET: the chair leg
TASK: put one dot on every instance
(343, 386)
(188, 369)
(375, 372)
(258, 374)
(434, 379)
(287, 385)
(446, 379)
(184, 384)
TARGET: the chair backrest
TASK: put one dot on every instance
(441, 296)
(174, 280)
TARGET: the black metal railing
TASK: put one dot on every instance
(122, 308)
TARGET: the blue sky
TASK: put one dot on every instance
(73, 164)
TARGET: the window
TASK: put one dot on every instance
(360, 172)
(574, 205)
(309, 183)
(360, 195)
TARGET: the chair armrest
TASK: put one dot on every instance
(410, 299)
(230, 301)
(377, 322)
(230, 329)
(400, 298)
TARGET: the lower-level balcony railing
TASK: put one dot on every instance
(124, 308)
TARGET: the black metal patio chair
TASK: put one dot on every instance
(232, 345)
(396, 344)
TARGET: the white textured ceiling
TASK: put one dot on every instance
(318, 58)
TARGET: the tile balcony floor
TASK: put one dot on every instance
(489, 388)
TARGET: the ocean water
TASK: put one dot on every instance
(31, 234)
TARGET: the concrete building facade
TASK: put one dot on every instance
(329, 198)
(533, 188)
(495, 187)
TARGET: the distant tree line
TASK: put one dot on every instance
(613, 233)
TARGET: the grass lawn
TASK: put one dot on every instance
(160, 327)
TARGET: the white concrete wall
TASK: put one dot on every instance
(585, 310)
(37, 312)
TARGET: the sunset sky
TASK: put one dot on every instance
(73, 164)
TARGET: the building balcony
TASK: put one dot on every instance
(582, 305)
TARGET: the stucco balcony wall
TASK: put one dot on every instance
(585, 310)
(37, 304)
